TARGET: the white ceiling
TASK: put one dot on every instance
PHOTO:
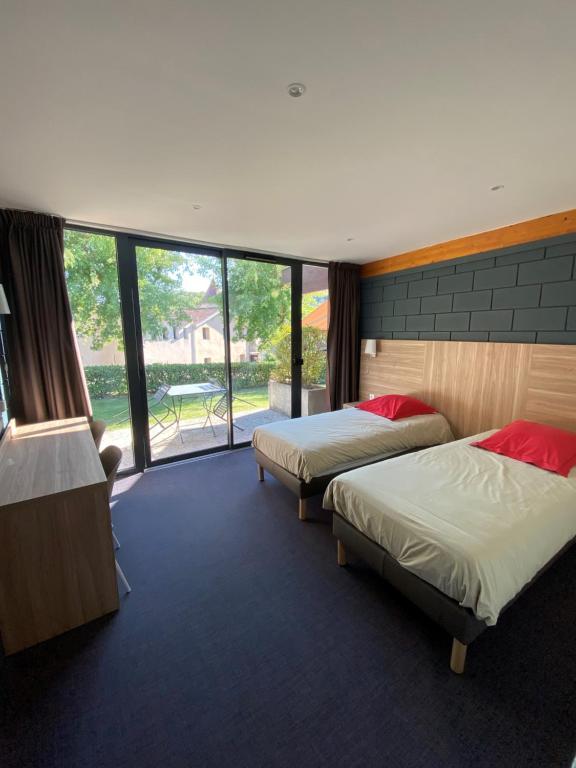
(128, 113)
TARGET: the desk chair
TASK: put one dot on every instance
(111, 458)
(97, 428)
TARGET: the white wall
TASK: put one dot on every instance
(190, 347)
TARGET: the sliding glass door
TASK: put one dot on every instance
(184, 351)
(315, 316)
(92, 279)
(187, 349)
(261, 343)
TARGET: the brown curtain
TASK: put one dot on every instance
(46, 376)
(343, 333)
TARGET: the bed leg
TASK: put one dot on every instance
(458, 657)
(341, 554)
(302, 509)
(260, 473)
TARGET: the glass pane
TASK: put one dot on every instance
(3, 381)
(184, 350)
(315, 314)
(92, 280)
(260, 313)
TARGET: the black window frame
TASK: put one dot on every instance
(126, 262)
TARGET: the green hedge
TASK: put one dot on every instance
(110, 380)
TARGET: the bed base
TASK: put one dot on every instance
(299, 487)
(459, 622)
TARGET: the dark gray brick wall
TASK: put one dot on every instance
(472, 300)
(516, 298)
(543, 319)
(407, 307)
(499, 277)
(558, 294)
(493, 320)
(454, 321)
(420, 323)
(525, 294)
(546, 270)
(456, 283)
(423, 287)
(436, 304)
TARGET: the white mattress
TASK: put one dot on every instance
(313, 446)
(476, 525)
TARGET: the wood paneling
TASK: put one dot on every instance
(551, 386)
(516, 234)
(478, 386)
(404, 369)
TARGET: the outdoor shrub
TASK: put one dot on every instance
(313, 352)
(106, 380)
(110, 380)
(243, 374)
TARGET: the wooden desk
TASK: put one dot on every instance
(57, 567)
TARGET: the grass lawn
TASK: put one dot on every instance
(112, 410)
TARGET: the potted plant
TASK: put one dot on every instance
(314, 394)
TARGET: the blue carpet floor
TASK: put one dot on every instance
(243, 645)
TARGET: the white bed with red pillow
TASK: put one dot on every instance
(312, 446)
(469, 519)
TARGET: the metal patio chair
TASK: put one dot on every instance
(221, 411)
(217, 383)
(162, 421)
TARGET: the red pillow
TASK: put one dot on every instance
(546, 447)
(395, 407)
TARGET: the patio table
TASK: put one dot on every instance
(205, 390)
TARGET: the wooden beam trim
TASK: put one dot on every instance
(516, 234)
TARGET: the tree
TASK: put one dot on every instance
(162, 299)
(312, 300)
(92, 280)
(259, 300)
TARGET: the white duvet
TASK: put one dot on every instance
(331, 442)
(476, 525)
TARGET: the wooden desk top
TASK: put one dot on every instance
(42, 459)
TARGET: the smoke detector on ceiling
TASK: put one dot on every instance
(296, 90)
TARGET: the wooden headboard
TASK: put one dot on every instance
(478, 385)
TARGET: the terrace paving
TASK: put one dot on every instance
(193, 436)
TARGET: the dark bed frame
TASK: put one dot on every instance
(301, 488)
(459, 622)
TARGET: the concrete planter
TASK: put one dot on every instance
(314, 399)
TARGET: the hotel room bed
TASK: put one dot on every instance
(459, 530)
(307, 453)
